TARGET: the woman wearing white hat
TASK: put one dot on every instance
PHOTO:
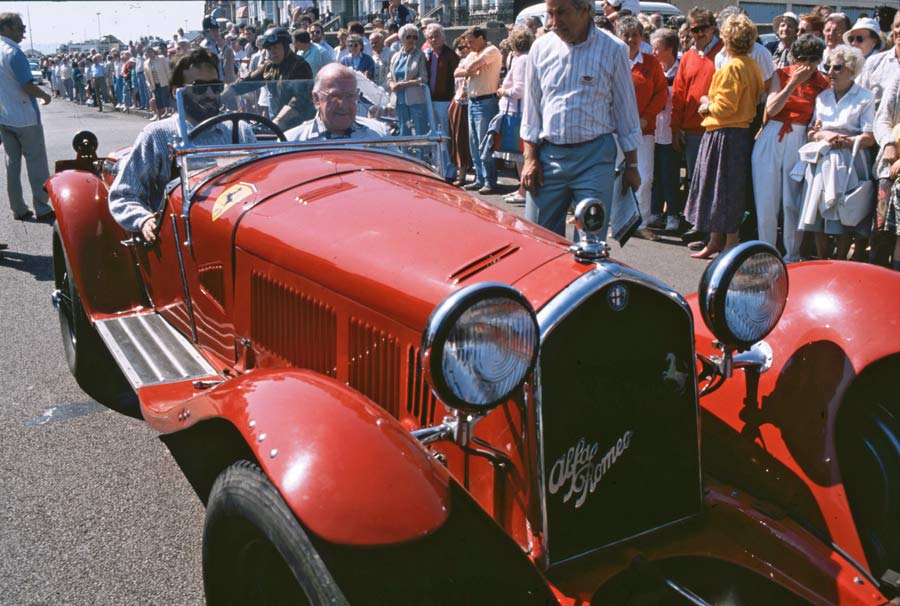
(881, 68)
(865, 35)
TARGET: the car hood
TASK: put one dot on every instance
(390, 236)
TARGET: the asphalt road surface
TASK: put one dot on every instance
(93, 509)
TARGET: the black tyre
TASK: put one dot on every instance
(254, 549)
(868, 434)
(89, 361)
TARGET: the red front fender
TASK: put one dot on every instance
(840, 318)
(348, 470)
(102, 268)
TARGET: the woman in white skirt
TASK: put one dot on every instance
(843, 118)
(789, 108)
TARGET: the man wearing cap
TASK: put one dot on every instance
(211, 39)
(291, 103)
(573, 103)
(880, 69)
(785, 27)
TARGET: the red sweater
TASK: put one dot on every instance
(692, 82)
(651, 90)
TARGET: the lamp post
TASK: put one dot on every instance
(98, 28)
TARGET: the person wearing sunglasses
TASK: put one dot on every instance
(357, 60)
(844, 116)
(695, 73)
(139, 187)
(406, 80)
(20, 123)
(865, 35)
(789, 106)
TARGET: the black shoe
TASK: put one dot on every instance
(692, 235)
(25, 217)
(48, 217)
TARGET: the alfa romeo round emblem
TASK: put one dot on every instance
(617, 297)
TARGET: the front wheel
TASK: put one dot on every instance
(868, 434)
(254, 549)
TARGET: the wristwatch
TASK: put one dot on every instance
(631, 165)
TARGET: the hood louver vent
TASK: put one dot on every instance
(374, 357)
(212, 279)
(467, 271)
(293, 326)
(420, 401)
(324, 192)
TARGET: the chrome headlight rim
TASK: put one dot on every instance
(444, 318)
(714, 285)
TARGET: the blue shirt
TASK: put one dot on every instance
(17, 108)
(98, 71)
(399, 74)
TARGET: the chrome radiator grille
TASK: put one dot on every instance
(617, 416)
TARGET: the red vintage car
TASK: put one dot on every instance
(388, 391)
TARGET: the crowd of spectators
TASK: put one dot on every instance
(737, 139)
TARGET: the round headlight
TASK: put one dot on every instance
(743, 292)
(479, 345)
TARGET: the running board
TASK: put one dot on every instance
(150, 352)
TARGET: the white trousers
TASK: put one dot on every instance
(645, 157)
(774, 189)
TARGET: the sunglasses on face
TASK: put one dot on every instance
(857, 39)
(833, 67)
(202, 87)
(699, 28)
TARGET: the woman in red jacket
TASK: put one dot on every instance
(652, 91)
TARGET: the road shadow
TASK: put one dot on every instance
(39, 266)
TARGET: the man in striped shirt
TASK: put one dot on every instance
(578, 92)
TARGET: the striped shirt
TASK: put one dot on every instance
(138, 189)
(576, 93)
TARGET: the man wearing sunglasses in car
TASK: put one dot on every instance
(139, 187)
(287, 77)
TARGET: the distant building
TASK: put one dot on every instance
(104, 45)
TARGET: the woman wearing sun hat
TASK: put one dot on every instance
(865, 35)
(881, 68)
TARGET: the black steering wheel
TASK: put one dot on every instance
(235, 118)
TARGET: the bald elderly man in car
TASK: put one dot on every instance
(335, 95)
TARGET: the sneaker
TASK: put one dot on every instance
(153, 118)
(487, 190)
(672, 224)
(514, 198)
(475, 185)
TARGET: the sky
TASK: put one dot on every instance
(52, 23)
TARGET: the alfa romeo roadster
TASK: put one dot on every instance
(388, 391)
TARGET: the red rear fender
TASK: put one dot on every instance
(102, 268)
(349, 471)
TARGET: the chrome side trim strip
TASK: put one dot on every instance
(549, 317)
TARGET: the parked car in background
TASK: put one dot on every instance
(389, 391)
(37, 74)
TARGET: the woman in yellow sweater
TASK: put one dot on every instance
(718, 193)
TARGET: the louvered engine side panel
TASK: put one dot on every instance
(420, 401)
(298, 328)
(374, 364)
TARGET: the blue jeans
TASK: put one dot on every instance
(442, 120)
(665, 181)
(572, 174)
(143, 91)
(415, 115)
(480, 115)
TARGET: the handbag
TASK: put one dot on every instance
(857, 204)
(507, 139)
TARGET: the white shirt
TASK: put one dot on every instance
(878, 72)
(16, 107)
(852, 115)
(576, 93)
(760, 54)
(664, 118)
(514, 82)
